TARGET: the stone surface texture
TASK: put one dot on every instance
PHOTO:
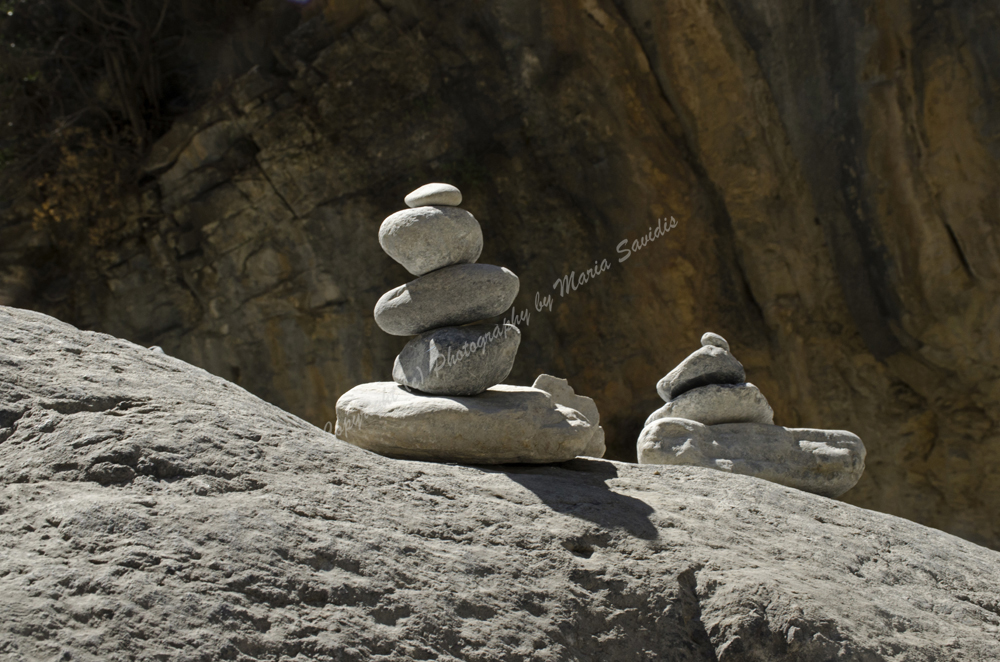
(707, 365)
(562, 393)
(807, 151)
(150, 510)
(718, 403)
(454, 295)
(505, 424)
(434, 194)
(428, 238)
(458, 360)
(826, 462)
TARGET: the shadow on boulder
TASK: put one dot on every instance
(569, 488)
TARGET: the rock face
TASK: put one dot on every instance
(825, 462)
(450, 296)
(151, 510)
(832, 168)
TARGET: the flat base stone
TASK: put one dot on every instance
(503, 425)
(825, 462)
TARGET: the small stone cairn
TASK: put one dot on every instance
(446, 402)
(713, 418)
(440, 243)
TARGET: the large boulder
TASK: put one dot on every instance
(150, 510)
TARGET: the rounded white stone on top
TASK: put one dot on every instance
(434, 194)
(715, 340)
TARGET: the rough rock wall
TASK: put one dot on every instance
(832, 168)
(151, 511)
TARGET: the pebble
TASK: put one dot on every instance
(434, 194)
(715, 340)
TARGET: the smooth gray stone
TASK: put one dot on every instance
(504, 424)
(428, 238)
(825, 462)
(707, 365)
(450, 296)
(718, 403)
(563, 394)
(458, 360)
(714, 339)
(434, 194)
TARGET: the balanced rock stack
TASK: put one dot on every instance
(440, 243)
(714, 418)
(446, 402)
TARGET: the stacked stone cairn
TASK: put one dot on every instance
(713, 418)
(446, 402)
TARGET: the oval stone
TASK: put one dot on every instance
(428, 238)
(458, 360)
(707, 365)
(434, 194)
(718, 403)
(451, 296)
